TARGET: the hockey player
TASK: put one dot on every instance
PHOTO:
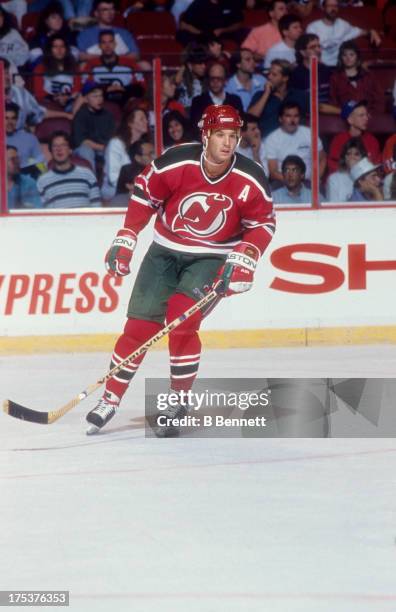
(213, 208)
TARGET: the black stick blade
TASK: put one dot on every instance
(25, 414)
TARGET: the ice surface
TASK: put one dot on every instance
(194, 525)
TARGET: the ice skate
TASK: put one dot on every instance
(166, 428)
(102, 413)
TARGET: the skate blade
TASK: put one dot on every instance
(92, 429)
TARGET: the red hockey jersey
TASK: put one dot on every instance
(199, 214)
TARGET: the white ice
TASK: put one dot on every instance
(127, 523)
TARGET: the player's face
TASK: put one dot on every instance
(221, 145)
(359, 118)
(352, 156)
(60, 150)
(107, 44)
(290, 120)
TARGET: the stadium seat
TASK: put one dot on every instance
(29, 25)
(114, 109)
(365, 17)
(47, 127)
(254, 17)
(151, 23)
(169, 50)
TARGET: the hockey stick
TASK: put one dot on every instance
(45, 418)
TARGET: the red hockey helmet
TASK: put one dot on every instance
(220, 117)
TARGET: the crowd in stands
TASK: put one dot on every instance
(79, 93)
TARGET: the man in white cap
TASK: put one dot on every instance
(367, 182)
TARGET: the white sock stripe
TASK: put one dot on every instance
(184, 363)
(183, 375)
(117, 360)
(184, 357)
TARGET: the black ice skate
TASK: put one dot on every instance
(102, 413)
(165, 427)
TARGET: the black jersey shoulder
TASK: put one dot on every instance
(179, 154)
(253, 169)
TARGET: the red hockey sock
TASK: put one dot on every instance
(136, 333)
(184, 343)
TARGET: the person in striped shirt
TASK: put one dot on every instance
(67, 185)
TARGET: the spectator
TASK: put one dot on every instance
(394, 99)
(303, 8)
(12, 45)
(367, 182)
(178, 8)
(175, 129)
(390, 187)
(73, 9)
(133, 126)
(216, 54)
(17, 8)
(339, 186)
(262, 37)
(291, 30)
(88, 40)
(56, 80)
(216, 94)
(244, 83)
(30, 156)
(266, 105)
(190, 77)
(251, 144)
(168, 101)
(21, 188)
(67, 185)
(92, 125)
(141, 154)
(294, 192)
(119, 75)
(307, 46)
(357, 117)
(389, 154)
(333, 31)
(30, 110)
(223, 18)
(352, 82)
(291, 138)
(51, 22)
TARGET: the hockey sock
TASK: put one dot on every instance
(184, 344)
(136, 333)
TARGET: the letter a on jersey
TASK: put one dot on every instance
(244, 193)
(202, 214)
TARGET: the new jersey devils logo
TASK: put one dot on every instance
(202, 214)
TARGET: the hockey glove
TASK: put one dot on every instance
(119, 255)
(238, 271)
